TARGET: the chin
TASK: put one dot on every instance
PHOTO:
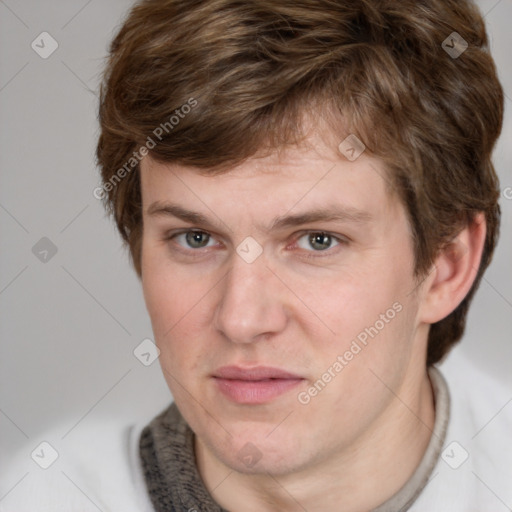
(259, 454)
(277, 465)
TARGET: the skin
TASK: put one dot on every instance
(210, 308)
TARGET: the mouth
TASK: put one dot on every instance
(257, 385)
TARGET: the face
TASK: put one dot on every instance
(280, 298)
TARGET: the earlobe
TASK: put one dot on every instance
(454, 272)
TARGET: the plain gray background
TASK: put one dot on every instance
(69, 325)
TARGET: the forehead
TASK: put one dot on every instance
(295, 178)
(313, 175)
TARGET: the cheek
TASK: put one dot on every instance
(167, 296)
(350, 304)
(372, 317)
(178, 306)
(368, 354)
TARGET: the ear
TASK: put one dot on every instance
(454, 272)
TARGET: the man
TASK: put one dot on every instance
(307, 193)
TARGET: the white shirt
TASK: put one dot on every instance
(97, 467)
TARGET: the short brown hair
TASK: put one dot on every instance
(254, 67)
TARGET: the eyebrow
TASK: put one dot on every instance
(326, 214)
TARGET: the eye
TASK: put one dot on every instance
(319, 241)
(193, 239)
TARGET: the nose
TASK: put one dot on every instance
(253, 302)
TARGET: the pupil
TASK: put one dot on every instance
(320, 241)
(194, 238)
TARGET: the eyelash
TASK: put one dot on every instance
(342, 241)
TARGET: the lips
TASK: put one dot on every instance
(253, 374)
(257, 385)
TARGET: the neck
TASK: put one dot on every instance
(361, 476)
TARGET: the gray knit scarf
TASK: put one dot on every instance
(167, 453)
